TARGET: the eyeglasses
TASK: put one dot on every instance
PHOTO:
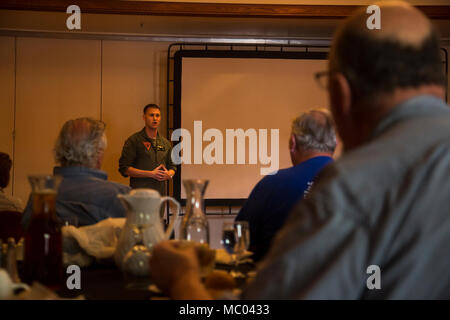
(322, 78)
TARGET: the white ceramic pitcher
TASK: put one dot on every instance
(143, 225)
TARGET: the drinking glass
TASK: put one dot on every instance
(242, 238)
(235, 240)
(228, 237)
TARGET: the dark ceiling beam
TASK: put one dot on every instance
(202, 9)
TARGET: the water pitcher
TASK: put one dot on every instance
(142, 230)
(194, 226)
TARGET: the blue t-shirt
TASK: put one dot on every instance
(273, 198)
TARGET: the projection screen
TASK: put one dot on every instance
(217, 93)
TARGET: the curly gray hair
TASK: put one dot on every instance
(80, 143)
(314, 130)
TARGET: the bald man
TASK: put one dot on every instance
(377, 225)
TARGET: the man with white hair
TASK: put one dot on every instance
(311, 145)
(84, 191)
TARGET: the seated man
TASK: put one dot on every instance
(84, 190)
(377, 224)
(7, 203)
(311, 145)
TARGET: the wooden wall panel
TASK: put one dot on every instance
(57, 80)
(7, 98)
(134, 74)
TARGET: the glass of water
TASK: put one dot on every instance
(235, 239)
(242, 238)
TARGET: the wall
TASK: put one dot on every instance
(45, 82)
(134, 74)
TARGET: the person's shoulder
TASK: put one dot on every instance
(8, 203)
(282, 175)
(285, 171)
(135, 136)
(272, 179)
(112, 186)
(120, 187)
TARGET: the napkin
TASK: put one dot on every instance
(83, 245)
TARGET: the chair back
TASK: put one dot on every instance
(10, 225)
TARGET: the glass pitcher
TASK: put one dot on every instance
(43, 260)
(194, 226)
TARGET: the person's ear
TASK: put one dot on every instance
(100, 158)
(340, 95)
(292, 144)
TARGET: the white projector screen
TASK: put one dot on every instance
(241, 93)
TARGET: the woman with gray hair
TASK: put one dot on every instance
(311, 146)
(84, 191)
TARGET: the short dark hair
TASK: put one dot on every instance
(151, 105)
(5, 168)
(373, 66)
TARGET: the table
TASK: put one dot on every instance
(107, 282)
(104, 282)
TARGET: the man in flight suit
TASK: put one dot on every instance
(146, 155)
